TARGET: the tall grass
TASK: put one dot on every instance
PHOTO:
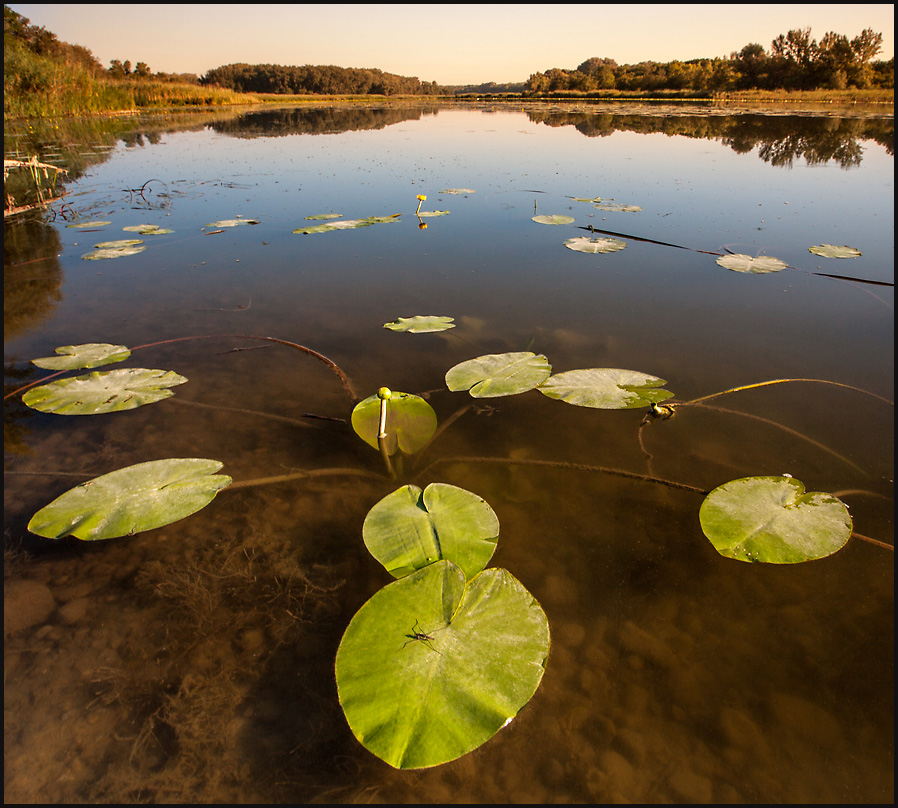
(38, 87)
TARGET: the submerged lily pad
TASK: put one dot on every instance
(773, 520)
(147, 229)
(605, 388)
(421, 324)
(103, 391)
(431, 668)
(832, 251)
(745, 263)
(232, 222)
(586, 244)
(131, 500)
(88, 355)
(411, 528)
(553, 218)
(410, 423)
(114, 249)
(495, 375)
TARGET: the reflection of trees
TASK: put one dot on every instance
(779, 139)
(324, 120)
(32, 277)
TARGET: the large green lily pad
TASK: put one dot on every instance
(348, 224)
(495, 375)
(835, 251)
(605, 388)
(773, 520)
(103, 391)
(410, 424)
(429, 668)
(88, 355)
(411, 528)
(131, 500)
(760, 265)
(148, 229)
(585, 244)
(421, 324)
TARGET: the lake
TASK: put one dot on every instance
(195, 662)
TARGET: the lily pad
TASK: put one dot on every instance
(348, 224)
(431, 668)
(410, 423)
(409, 529)
(147, 229)
(605, 388)
(457, 191)
(586, 244)
(88, 355)
(232, 222)
(81, 225)
(319, 216)
(832, 251)
(757, 266)
(773, 520)
(553, 218)
(131, 500)
(115, 249)
(495, 375)
(619, 207)
(430, 213)
(103, 391)
(421, 324)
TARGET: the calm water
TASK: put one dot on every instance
(194, 663)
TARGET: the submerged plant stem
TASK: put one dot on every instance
(299, 475)
(777, 381)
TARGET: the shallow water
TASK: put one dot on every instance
(194, 663)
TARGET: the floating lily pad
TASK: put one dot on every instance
(457, 191)
(131, 500)
(411, 528)
(421, 324)
(348, 224)
(495, 375)
(745, 263)
(586, 244)
(147, 229)
(773, 520)
(324, 216)
(605, 388)
(553, 218)
(103, 391)
(430, 213)
(232, 222)
(584, 199)
(89, 355)
(431, 668)
(410, 424)
(81, 225)
(619, 207)
(114, 249)
(832, 251)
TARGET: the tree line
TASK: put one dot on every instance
(795, 61)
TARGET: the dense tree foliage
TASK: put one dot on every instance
(796, 61)
(317, 79)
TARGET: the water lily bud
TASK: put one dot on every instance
(384, 393)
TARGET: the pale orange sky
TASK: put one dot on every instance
(447, 43)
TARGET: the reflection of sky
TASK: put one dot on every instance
(487, 258)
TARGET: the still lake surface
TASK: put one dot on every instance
(194, 663)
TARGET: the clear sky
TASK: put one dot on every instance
(448, 43)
